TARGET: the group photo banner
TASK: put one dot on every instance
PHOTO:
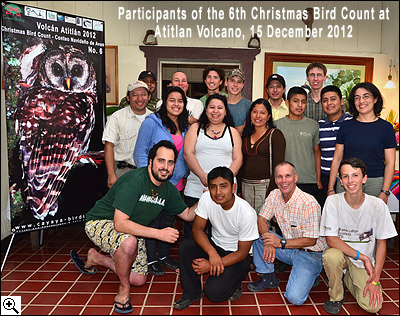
(54, 82)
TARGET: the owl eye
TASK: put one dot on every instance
(77, 71)
(57, 70)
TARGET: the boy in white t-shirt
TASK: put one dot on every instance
(226, 256)
(354, 223)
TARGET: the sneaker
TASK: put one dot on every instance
(334, 307)
(237, 294)
(169, 263)
(266, 281)
(183, 303)
(281, 267)
(156, 269)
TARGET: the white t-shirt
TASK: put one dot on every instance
(359, 228)
(229, 226)
(194, 106)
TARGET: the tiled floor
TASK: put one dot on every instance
(49, 284)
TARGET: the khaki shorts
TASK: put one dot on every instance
(103, 235)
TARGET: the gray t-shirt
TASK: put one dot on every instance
(301, 136)
(239, 111)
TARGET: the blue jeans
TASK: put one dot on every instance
(306, 267)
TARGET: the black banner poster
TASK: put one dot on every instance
(54, 79)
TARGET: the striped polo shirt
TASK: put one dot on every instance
(327, 138)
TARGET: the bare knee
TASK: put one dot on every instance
(128, 247)
(137, 279)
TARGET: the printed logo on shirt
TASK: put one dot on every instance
(153, 200)
(305, 134)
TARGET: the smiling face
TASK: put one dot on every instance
(286, 179)
(297, 105)
(364, 101)
(174, 105)
(332, 104)
(213, 81)
(234, 85)
(179, 79)
(316, 78)
(222, 192)
(275, 90)
(215, 111)
(138, 100)
(352, 179)
(162, 166)
(259, 116)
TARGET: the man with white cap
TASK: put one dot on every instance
(238, 106)
(122, 128)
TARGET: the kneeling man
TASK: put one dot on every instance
(226, 256)
(354, 223)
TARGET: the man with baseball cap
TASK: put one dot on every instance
(122, 128)
(149, 78)
(238, 106)
(276, 87)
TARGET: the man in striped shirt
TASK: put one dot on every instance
(332, 104)
(298, 215)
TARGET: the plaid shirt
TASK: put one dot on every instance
(314, 109)
(299, 217)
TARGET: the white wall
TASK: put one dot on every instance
(377, 39)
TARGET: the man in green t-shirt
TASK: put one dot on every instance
(213, 78)
(118, 223)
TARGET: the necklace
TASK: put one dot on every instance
(152, 191)
(215, 133)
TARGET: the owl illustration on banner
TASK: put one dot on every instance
(54, 120)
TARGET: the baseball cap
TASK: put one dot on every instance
(276, 77)
(137, 84)
(236, 72)
(145, 74)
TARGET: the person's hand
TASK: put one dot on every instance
(111, 179)
(169, 234)
(216, 265)
(375, 294)
(201, 265)
(319, 185)
(271, 239)
(383, 197)
(203, 179)
(269, 253)
(330, 192)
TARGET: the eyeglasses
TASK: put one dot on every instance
(365, 96)
(315, 75)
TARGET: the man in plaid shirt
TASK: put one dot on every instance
(298, 215)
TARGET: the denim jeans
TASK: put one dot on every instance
(306, 267)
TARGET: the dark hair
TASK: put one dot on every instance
(316, 65)
(370, 87)
(331, 88)
(248, 126)
(223, 172)
(161, 143)
(355, 163)
(163, 114)
(217, 69)
(228, 120)
(285, 163)
(296, 90)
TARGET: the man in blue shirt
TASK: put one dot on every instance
(332, 104)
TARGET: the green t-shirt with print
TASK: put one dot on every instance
(132, 195)
(205, 97)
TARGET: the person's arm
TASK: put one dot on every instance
(263, 229)
(188, 214)
(291, 243)
(317, 157)
(123, 224)
(192, 120)
(143, 143)
(189, 153)
(240, 129)
(337, 158)
(237, 155)
(390, 160)
(278, 155)
(110, 162)
(214, 264)
(375, 292)
(336, 242)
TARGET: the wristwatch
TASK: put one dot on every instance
(386, 192)
(283, 243)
